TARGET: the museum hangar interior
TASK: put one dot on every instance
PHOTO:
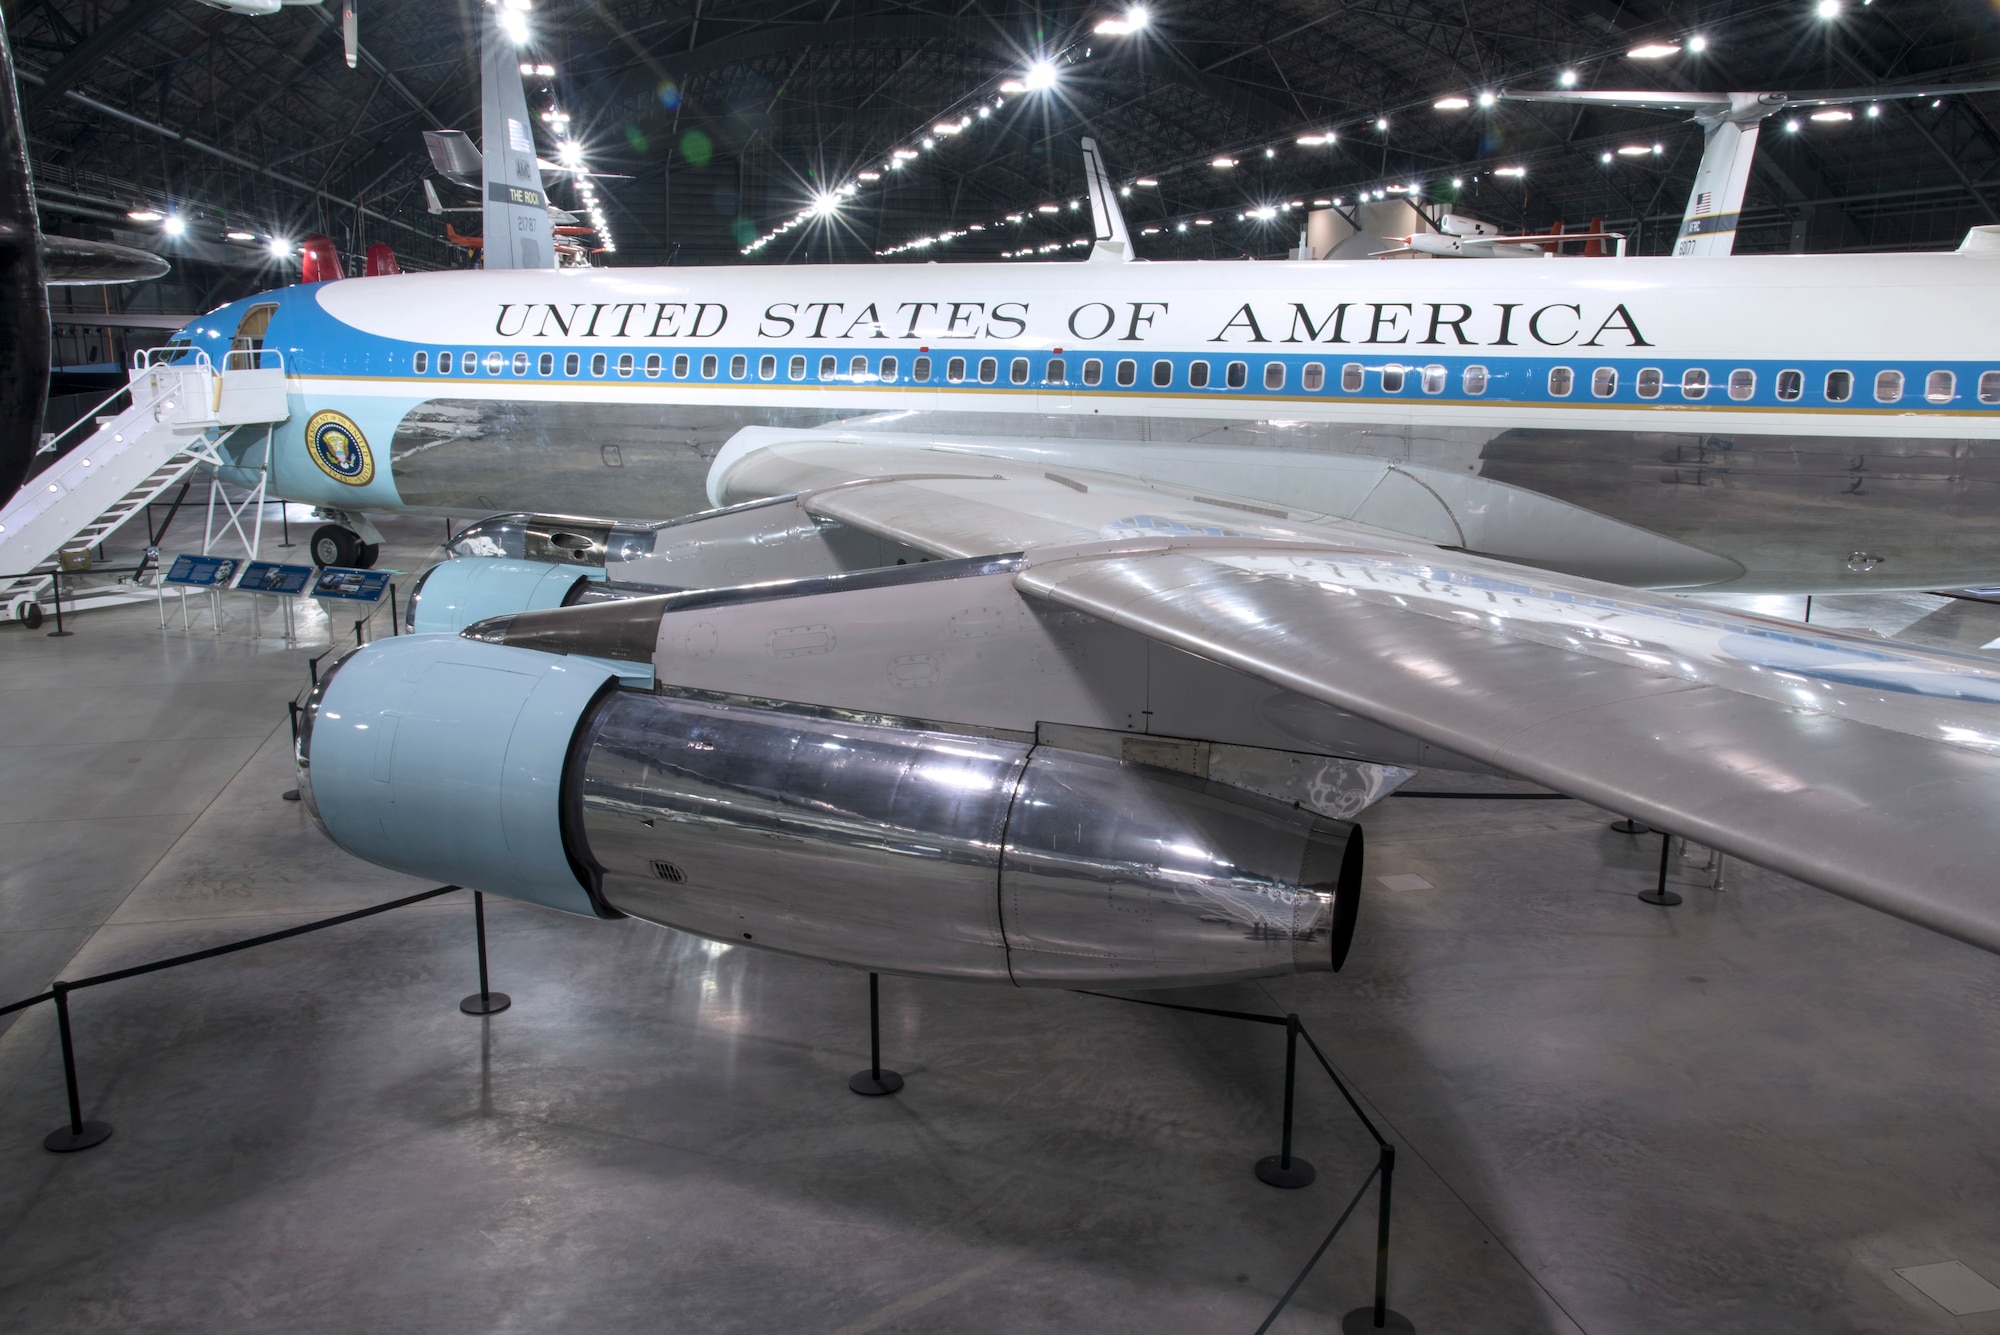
(1572, 1065)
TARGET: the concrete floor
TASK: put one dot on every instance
(1743, 1114)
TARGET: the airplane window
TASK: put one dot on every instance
(1093, 371)
(444, 363)
(652, 366)
(767, 367)
(1163, 374)
(1989, 386)
(625, 365)
(796, 370)
(681, 367)
(1433, 379)
(1742, 383)
(1888, 386)
(920, 370)
(1474, 379)
(597, 364)
(829, 367)
(1237, 375)
(520, 363)
(494, 363)
(1351, 377)
(888, 369)
(1694, 383)
(1392, 379)
(858, 368)
(572, 364)
(1128, 373)
(1274, 375)
(989, 370)
(1056, 372)
(709, 364)
(1791, 384)
(469, 364)
(421, 363)
(1197, 375)
(1604, 381)
(739, 367)
(1839, 386)
(1561, 381)
(1017, 371)
(1649, 382)
(1313, 377)
(546, 365)
(1939, 387)
(954, 370)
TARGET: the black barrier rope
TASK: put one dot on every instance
(1282, 1170)
(1492, 797)
(81, 1135)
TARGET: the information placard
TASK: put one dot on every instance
(352, 586)
(276, 577)
(202, 572)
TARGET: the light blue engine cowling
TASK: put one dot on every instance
(444, 759)
(452, 595)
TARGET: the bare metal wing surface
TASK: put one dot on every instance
(1866, 767)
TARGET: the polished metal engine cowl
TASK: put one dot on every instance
(906, 850)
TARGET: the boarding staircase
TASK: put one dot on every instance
(177, 408)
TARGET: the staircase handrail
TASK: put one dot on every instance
(253, 359)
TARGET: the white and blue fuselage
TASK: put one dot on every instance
(1811, 421)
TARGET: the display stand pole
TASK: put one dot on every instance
(484, 1001)
(1659, 894)
(58, 633)
(292, 708)
(874, 1080)
(79, 1134)
(1281, 1169)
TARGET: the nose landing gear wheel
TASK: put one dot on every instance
(333, 545)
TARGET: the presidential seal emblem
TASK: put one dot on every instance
(339, 448)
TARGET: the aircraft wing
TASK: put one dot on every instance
(1864, 766)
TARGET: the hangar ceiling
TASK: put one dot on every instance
(725, 119)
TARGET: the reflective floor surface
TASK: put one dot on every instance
(1744, 1114)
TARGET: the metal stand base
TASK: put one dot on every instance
(1272, 1172)
(290, 795)
(874, 1082)
(1630, 826)
(1666, 899)
(486, 1003)
(1361, 1321)
(65, 1141)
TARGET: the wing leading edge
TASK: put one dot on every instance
(1865, 767)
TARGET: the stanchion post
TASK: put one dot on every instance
(79, 1134)
(1659, 894)
(292, 709)
(485, 1001)
(56, 587)
(394, 628)
(1281, 1169)
(874, 1080)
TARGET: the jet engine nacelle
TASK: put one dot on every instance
(897, 849)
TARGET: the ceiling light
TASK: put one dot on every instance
(946, 127)
(1223, 162)
(1873, 112)
(902, 154)
(869, 176)
(515, 24)
(1041, 75)
(1487, 99)
(1605, 158)
(1833, 114)
(1135, 20)
(1451, 104)
(1395, 189)
(1315, 140)
(1204, 222)
(1382, 122)
(145, 215)
(1266, 212)
(1654, 51)
(1013, 86)
(1567, 78)
(1457, 181)
(570, 153)
(1791, 127)
(1182, 227)
(1510, 171)
(1827, 9)
(928, 143)
(241, 236)
(1146, 181)
(1045, 208)
(1634, 151)
(1321, 203)
(174, 225)
(280, 247)
(1697, 43)
(984, 112)
(1125, 191)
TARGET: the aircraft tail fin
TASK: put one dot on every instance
(350, 32)
(516, 206)
(432, 204)
(1112, 244)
